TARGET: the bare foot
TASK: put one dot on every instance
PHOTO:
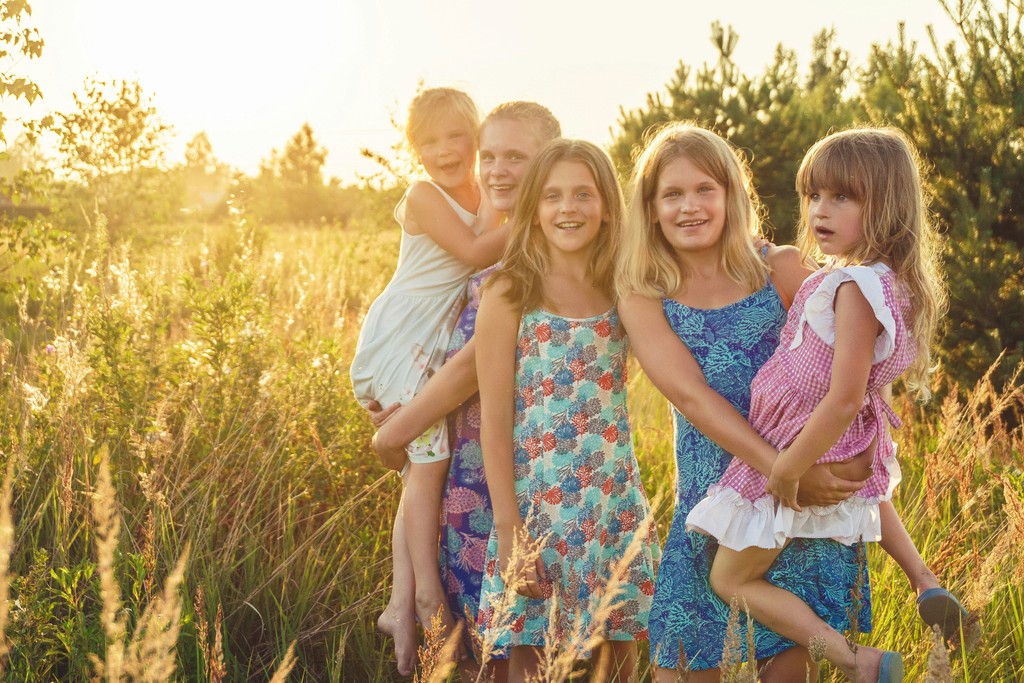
(430, 609)
(401, 626)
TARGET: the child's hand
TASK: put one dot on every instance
(379, 415)
(390, 454)
(783, 485)
(520, 563)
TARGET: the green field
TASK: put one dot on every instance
(209, 366)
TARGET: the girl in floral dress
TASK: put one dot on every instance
(563, 479)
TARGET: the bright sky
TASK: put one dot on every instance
(250, 72)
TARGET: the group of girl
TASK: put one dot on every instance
(543, 494)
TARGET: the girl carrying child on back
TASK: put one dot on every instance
(853, 328)
(447, 233)
(551, 362)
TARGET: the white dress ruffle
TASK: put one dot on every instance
(739, 523)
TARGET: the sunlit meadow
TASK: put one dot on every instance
(192, 496)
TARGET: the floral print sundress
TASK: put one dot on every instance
(577, 483)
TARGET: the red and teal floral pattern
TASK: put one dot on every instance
(577, 483)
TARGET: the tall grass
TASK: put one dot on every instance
(210, 371)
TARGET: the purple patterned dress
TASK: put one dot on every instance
(466, 516)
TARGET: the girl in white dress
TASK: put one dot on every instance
(405, 335)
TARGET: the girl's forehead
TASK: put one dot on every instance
(442, 122)
(683, 168)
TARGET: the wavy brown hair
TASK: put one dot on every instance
(526, 255)
(880, 169)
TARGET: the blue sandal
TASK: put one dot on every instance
(890, 669)
(939, 607)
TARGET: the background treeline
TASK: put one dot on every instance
(961, 103)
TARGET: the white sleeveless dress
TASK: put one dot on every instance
(406, 330)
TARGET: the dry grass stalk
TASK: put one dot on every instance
(6, 545)
(213, 654)
(734, 667)
(151, 653)
(938, 669)
(286, 665)
(107, 527)
(816, 651)
(437, 655)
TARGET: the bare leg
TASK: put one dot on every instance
(897, 544)
(524, 663)
(399, 618)
(793, 664)
(424, 485)
(741, 573)
(672, 676)
(622, 656)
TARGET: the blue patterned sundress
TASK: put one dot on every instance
(466, 515)
(731, 344)
(577, 483)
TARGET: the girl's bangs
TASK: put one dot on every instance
(833, 167)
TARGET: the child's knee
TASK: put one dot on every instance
(722, 582)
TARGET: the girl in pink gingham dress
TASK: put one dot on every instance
(853, 328)
(738, 510)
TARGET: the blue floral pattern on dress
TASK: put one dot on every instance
(466, 515)
(731, 344)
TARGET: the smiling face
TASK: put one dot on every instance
(689, 206)
(836, 221)
(571, 211)
(506, 147)
(447, 150)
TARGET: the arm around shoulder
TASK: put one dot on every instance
(672, 368)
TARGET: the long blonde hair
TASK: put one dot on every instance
(526, 255)
(879, 168)
(647, 263)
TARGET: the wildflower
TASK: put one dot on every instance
(50, 349)
(35, 398)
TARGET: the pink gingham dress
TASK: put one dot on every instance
(737, 511)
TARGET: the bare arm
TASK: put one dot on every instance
(428, 212)
(444, 392)
(671, 367)
(497, 326)
(856, 328)
(673, 370)
(789, 270)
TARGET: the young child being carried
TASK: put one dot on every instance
(854, 327)
(448, 233)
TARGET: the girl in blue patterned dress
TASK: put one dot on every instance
(692, 219)
(690, 272)
(564, 482)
